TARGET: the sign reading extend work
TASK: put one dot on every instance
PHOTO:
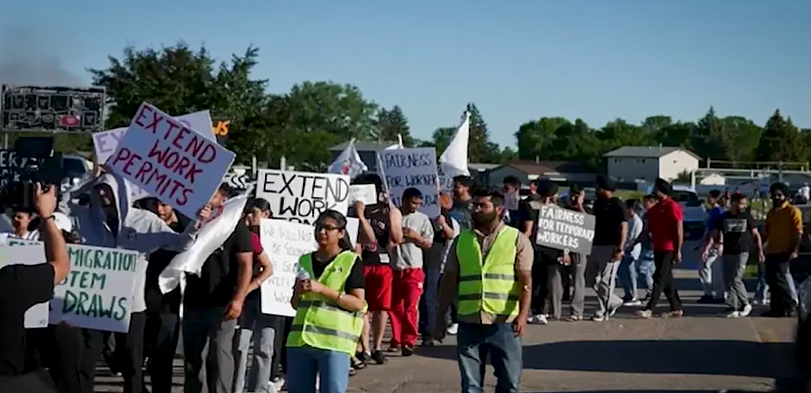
(566, 230)
(302, 196)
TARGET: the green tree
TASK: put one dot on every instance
(331, 107)
(392, 123)
(620, 133)
(709, 138)
(440, 139)
(781, 141)
(743, 138)
(577, 142)
(480, 148)
(535, 137)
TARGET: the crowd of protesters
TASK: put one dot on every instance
(474, 272)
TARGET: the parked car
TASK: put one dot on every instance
(695, 214)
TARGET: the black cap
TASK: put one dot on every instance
(662, 185)
(546, 188)
(606, 183)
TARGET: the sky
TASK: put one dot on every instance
(517, 60)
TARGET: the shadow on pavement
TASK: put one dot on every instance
(701, 357)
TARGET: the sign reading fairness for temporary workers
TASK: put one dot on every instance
(302, 196)
(564, 229)
(407, 168)
(178, 165)
(284, 242)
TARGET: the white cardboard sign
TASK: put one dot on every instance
(302, 196)
(365, 193)
(407, 168)
(179, 165)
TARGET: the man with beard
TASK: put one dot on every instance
(489, 272)
(783, 233)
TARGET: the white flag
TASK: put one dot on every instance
(453, 161)
(211, 237)
(348, 162)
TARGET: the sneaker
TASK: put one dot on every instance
(747, 309)
(673, 314)
(279, 384)
(598, 318)
(408, 350)
(645, 314)
(732, 314)
(453, 329)
(379, 357)
(357, 362)
(632, 303)
(539, 319)
(427, 342)
(393, 348)
(574, 318)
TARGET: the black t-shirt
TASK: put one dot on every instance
(21, 287)
(439, 234)
(737, 230)
(378, 217)
(527, 213)
(218, 278)
(158, 260)
(609, 214)
(355, 279)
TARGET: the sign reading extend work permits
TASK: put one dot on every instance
(563, 229)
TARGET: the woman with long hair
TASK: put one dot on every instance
(329, 299)
(255, 328)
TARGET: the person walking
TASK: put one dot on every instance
(783, 232)
(489, 271)
(446, 228)
(711, 274)
(330, 302)
(735, 230)
(608, 248)
(666, 229)
(633, 251)
(546, 259)
(645, 266)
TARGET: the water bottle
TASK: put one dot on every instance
(302, 274)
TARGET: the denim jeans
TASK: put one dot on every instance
(428, 303)
(762, 288)
(304, 363)
(475, 343)
(628, 277)
(256, 330)
(645, 267)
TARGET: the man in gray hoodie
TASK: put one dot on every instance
(111, 221)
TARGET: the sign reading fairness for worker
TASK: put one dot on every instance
(302, 196)
(176, 164)
(563, 229)
(407, 168)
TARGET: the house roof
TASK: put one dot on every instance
(365, 146)
(542, 167)
(647, 151)
(478, 167)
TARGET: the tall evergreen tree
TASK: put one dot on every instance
(781, 141)
(480, 148)
(390, 124)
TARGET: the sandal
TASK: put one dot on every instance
(352, 371)
(357, 364)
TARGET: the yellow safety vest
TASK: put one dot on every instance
(320, 323)
(488, 283)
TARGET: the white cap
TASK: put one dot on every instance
(63, 222)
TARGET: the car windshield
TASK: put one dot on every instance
(686, 197)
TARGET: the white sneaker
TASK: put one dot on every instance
(453, 329)
(279, 385)
(733, 314)
(539, 319)
(632, 303)
(747, 309)
(598, 318)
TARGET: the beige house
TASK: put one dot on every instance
(638, 163)
(526, 171)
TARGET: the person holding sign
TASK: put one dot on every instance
(21, 287)
(330, 301)
(111, 221)
(489, 271)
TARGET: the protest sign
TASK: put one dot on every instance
(284, 242)
(105, 142)
(178, 165)
(564, 229)
(407, 168)
(11, 166)
(365, 193)
(302, 196)
(37, 315)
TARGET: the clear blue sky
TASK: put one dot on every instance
(517, 60)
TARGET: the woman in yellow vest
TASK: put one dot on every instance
(330, 302)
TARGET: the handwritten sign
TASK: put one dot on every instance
(178, 165)
(407, 168)
(11, 166)
(284, 242)
(564, 229)
(365, 193)
(302, 196)
(37, 315)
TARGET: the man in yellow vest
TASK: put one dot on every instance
(489, 274)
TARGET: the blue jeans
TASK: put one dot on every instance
(304, 363)
(645, 268)
(475, 343)
(428, 302)
(762, 288)
(628, 277)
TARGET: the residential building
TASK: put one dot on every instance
(646, 163)
(558, 171)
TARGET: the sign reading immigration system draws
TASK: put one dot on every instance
(564, 229)
(284, 242)
(302, 196)
(175, 163)
(407, 168)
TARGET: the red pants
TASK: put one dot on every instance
(405, 302)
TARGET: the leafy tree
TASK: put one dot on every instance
(334, 108)
(480, 148)
(620, 133)
(535, 138)
(441, 138)
(390, 124)
(710, 139)
(577, 142)
(743, 138)
(781, 141)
